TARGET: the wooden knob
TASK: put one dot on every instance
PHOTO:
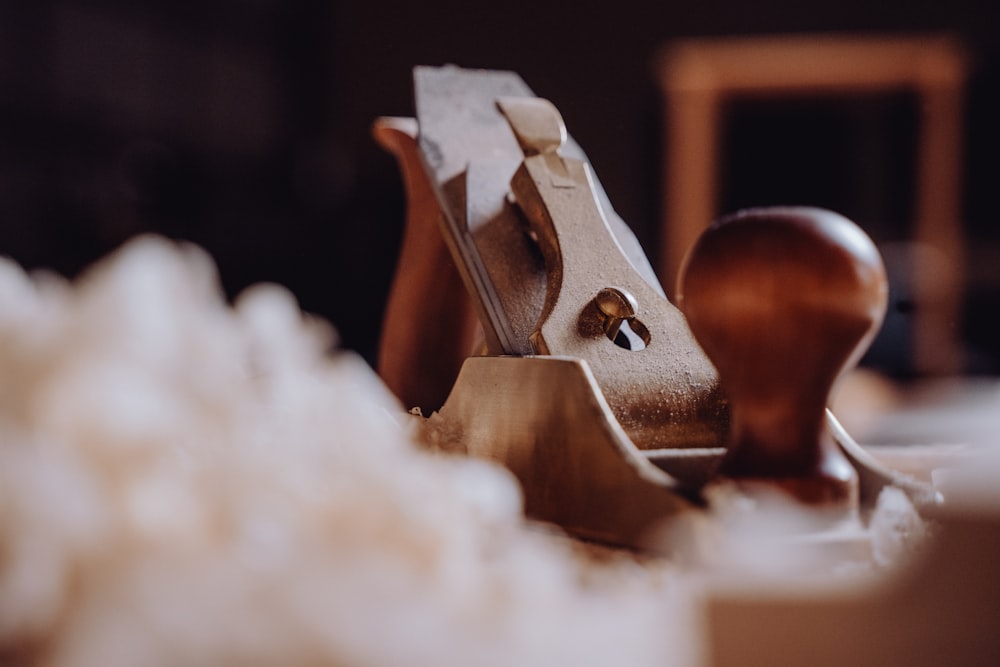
(783, 301)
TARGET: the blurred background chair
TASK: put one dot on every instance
(703, 79)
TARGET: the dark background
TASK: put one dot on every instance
(244, 126)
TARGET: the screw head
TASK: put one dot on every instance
(616, 304)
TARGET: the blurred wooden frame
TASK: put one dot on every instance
(699, 76)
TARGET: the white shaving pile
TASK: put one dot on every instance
(184, 483)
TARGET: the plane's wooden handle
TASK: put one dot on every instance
(429, 326)
(783, 301)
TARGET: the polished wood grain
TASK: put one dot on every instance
(429, 327)
(783, 300)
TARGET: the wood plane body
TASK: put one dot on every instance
(605, 438)
(546, 420)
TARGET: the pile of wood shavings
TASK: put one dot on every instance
(185, 483)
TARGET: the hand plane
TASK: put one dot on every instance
(525, 313)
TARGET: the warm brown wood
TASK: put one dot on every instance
(429, 327)
(783, 300)
(942, 610)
